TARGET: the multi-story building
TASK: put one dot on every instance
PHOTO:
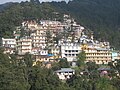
(9, 45)
(32, 25)
(38, 31)
(56, 51)
(98, 55)
(70, 51)
(53, 26)
(24, 45)
(38, 51)
(44, 58)
(39, 37)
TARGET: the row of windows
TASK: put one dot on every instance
(100, 61)
(9, 45)
(98, 53)
(71, 54)
(66, 72)
(8, 41)
(73, 47)
(39, 37)
(96, 57)
(71, 50)
(38, 40)
(44, 59)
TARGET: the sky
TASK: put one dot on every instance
(5, 1)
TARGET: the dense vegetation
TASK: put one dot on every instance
(20, 74)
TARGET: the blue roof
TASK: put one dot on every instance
(50, 55)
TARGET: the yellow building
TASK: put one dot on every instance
(98, 55)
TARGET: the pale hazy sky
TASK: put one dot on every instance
(4, 1)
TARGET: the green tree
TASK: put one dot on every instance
(79, 83)
(63, 63)
(114, 73)
(48, 37)
(28, 59)
(104, 84)
(35, 1)
(81, 60)
(91, 66)
(11, 75)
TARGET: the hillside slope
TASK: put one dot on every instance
(100, 16)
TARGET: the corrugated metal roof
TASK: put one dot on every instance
(102, 49)
(65, 70)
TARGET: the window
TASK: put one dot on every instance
(73, 50)
(76, 50)
(65, 54)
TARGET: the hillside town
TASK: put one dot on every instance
(50, 41)
(59, 44)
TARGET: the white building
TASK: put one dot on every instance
(43, 52)
(9, 45)
(65, 73)
(70, 51)
(24, 45)
(115, 55)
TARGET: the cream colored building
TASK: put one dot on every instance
(55, 50)
(98, 55)
(24, 45)
(39, 37)
(53, 26)
(39, 30)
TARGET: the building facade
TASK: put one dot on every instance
(70, 51)
(9, 45)
(65, 73)
(98, 55)
(24, 45)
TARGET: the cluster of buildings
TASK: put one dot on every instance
(50, 40)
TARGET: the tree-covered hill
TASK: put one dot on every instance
(4, 6)
(100, 16)
(17, 12)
